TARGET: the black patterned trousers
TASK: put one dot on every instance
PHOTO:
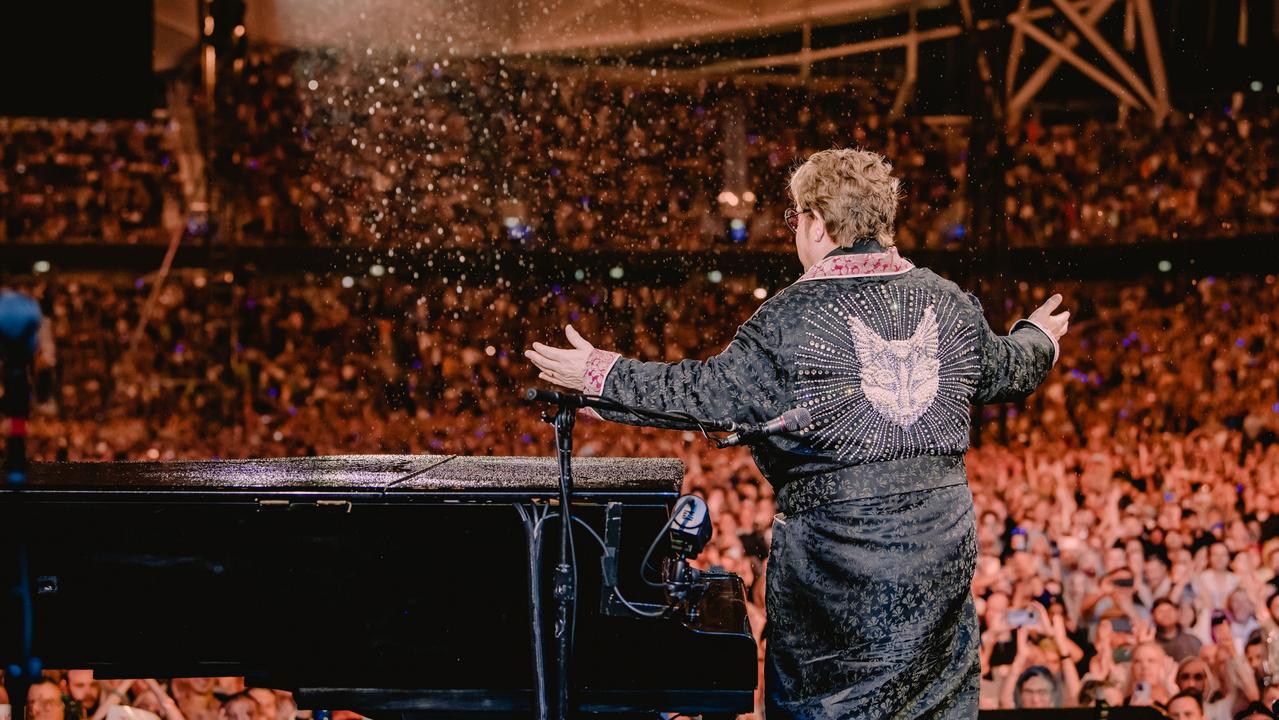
(870, 611)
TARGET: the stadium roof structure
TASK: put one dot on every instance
(550, 26)
(591, 24)
(1035, 37)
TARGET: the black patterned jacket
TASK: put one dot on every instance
(888, 358)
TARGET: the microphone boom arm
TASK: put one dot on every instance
(675, 421)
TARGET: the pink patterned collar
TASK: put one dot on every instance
(859, 265)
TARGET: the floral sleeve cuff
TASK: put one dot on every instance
(598, 366)
(1040, 328)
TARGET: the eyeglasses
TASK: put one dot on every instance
(792, 218)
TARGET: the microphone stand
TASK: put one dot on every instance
(676, 421)
(564, 582)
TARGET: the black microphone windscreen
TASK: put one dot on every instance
(797, 419)
(690, 527)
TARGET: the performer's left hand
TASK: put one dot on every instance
(564, 367)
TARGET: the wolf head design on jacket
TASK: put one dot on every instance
(899, 377)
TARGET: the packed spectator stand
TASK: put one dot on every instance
(1128, 512)
(82, 181)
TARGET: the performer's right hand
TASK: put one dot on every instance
(565, 367)
(1053, 324)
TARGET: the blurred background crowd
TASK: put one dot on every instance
(1128, 510)
(372, 154)
(82, 181)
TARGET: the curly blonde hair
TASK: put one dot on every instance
(854, 191)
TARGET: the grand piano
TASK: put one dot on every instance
(386, 584)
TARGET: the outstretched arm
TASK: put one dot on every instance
(1013, 365)
(740, 383)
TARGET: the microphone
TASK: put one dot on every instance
(690, 530)
(573, 400)
(580, 400)
(690, 526)
(789, 421)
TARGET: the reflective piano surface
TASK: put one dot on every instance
(378, 583)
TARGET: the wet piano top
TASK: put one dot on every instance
(360, 475)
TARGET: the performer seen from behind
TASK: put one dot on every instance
(869, 602)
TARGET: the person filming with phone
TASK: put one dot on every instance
(1116, 592)
(1043, 672)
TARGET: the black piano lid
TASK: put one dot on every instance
(354, 478)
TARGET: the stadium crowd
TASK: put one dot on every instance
(369, 151)
(81, 181)
(1128, 512)
(318, 146)
(1210, 174)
